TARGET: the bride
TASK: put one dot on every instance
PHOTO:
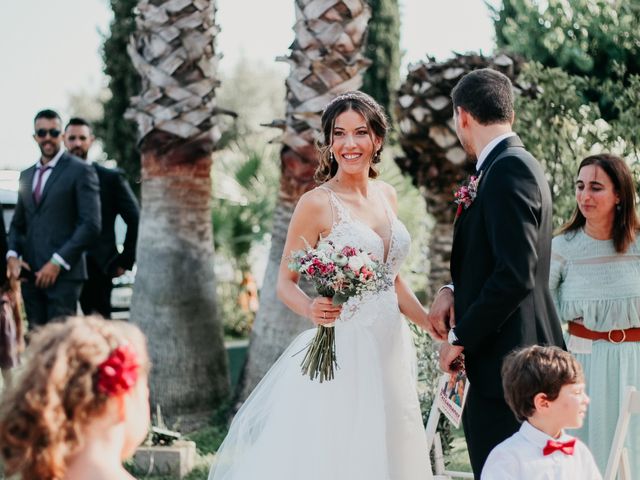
(365, 424)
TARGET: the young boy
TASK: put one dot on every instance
(544, 386)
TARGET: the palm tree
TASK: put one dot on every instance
(174, 296)
(326, 59)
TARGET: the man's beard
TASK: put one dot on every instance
(79, 152)
(44, 154)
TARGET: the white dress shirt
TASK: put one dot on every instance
(490, 146)
(520, 457)
(51, 164)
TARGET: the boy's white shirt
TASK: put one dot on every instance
(520, 457)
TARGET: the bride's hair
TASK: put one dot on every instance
(377, 125)
(60, 390)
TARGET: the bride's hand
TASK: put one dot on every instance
(322, 311)
(441, 315)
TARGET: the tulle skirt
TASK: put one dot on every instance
(363, 424)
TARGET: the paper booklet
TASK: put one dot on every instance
(452, 393)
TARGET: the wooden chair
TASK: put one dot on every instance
(438, 471)
(618, 458)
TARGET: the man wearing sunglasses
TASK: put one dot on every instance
(116, 198)
(57, 217)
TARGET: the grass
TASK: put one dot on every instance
(208, 439)
(458, 458)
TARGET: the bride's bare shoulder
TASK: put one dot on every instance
(314, 203)
(318, 199)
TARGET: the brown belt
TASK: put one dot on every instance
(613, 336)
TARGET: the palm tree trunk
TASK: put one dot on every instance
(174, 295)
(326, 59)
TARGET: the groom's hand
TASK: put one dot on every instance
(441, 315)
(450, 358)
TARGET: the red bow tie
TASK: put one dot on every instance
(565, 447)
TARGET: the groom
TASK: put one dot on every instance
(499, 261)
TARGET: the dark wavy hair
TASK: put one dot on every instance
(377, 124)
(625, 222)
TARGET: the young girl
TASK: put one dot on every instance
(11, 332)
(81, 404)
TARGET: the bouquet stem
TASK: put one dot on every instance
(320, 359)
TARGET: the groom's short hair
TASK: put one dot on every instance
(533, 370)
(486, 94)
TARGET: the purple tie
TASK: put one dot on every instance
(37, 192)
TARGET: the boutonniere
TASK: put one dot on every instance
(466, 194)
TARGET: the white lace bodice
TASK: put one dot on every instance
(347, 229)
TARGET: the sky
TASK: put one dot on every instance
(51, 50)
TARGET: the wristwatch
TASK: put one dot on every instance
(453, 339)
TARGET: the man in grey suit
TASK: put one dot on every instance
(57, 217)
(104, 262)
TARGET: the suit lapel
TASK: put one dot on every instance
(513, 141)
(55, 174)
(27, 186)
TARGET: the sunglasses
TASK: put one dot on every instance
(53, 132)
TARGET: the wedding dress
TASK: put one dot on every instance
(366, 423)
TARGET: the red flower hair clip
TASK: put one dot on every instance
(119, 372)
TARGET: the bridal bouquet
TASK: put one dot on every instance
(339, 273)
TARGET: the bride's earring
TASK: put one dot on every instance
(332, 156)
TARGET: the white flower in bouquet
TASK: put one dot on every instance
(325, 247)
(367, 261)
(356, 263)
(339, 259)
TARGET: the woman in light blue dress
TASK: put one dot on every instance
(595, 281)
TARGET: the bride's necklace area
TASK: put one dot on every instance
(375, 206)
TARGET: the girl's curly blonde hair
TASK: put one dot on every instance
(376, 120)
(42, 416)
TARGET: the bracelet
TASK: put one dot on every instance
(55, 262)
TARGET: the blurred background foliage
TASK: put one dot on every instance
(583, 65)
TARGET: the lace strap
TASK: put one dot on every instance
(339, 211)
(387, 207)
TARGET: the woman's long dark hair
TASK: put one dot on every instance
(376, 120)
(625, 222)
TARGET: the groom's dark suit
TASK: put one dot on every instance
(500, 271)
(66, 221)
